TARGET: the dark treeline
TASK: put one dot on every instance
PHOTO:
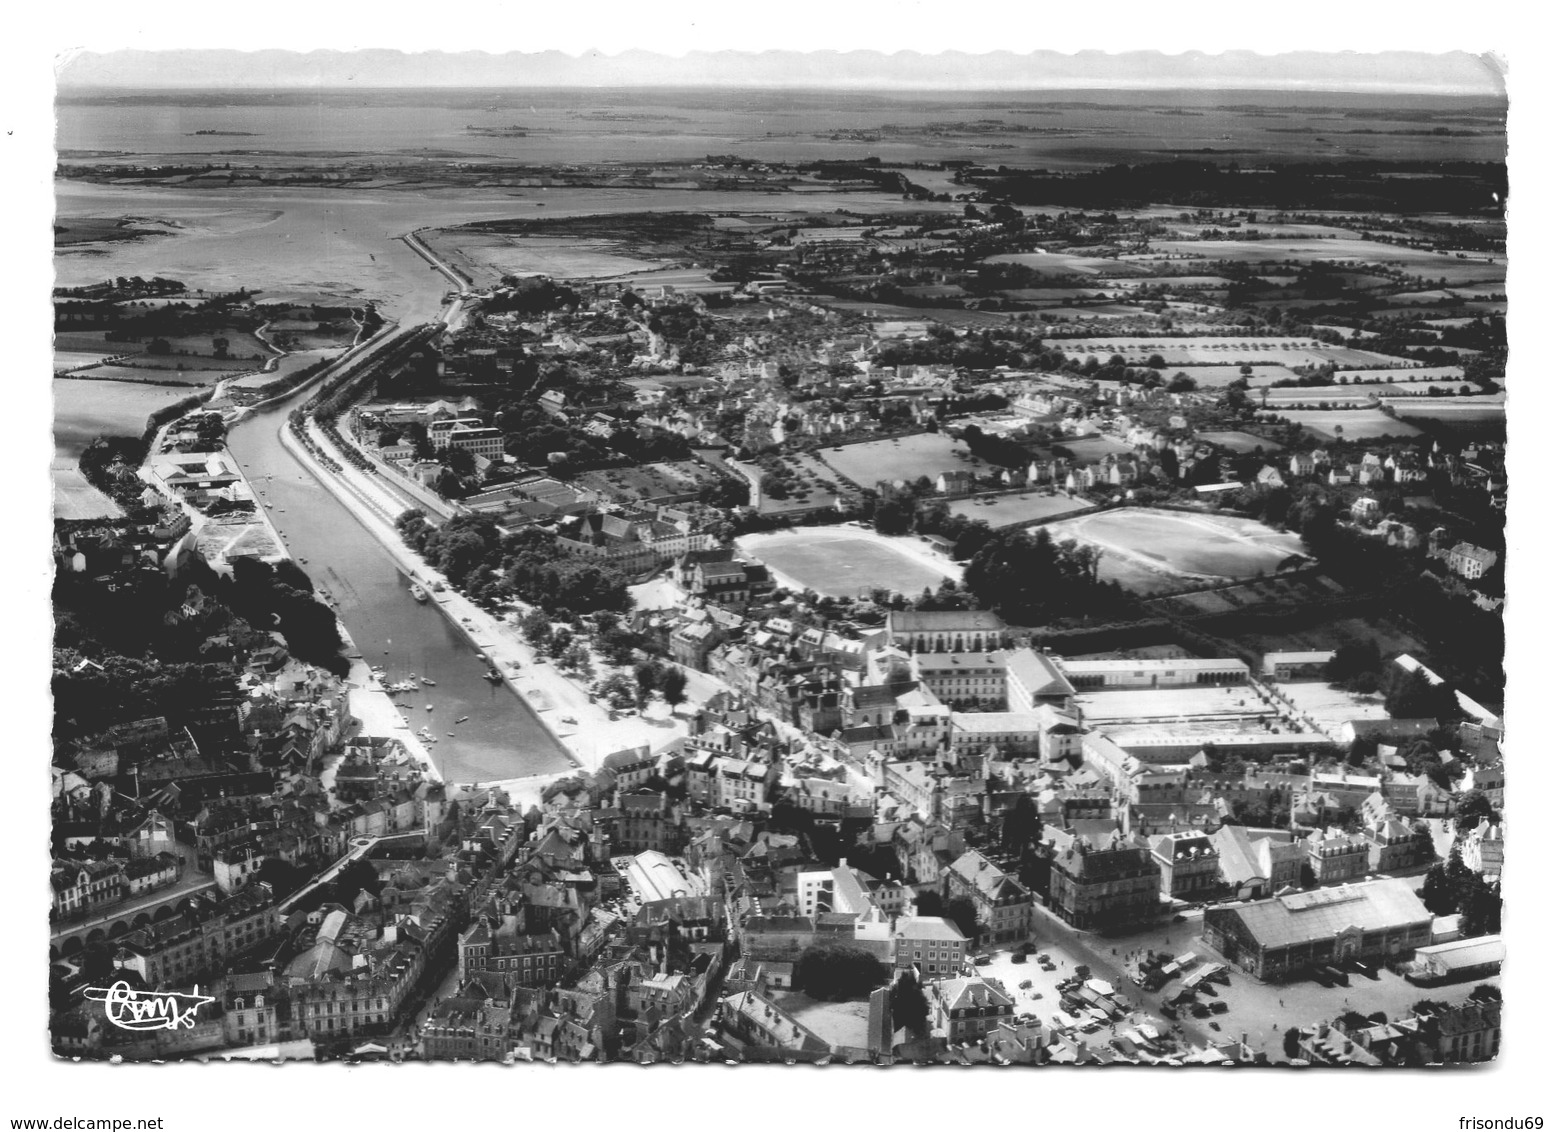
(1458, 187)
(163, 645)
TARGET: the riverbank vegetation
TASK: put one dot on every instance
(526, 565)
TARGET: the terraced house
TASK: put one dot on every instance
(1003, 904)
(1109, 885)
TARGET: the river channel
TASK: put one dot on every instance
(342, 244)
(502, 738)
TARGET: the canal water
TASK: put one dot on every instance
(502, 737)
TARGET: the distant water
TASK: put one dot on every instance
(1083, 127)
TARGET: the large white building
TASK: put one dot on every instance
(1175, 672)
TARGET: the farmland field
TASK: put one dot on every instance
(1240, 442)
(1209, 350)
(166, 377)
(1151, 550)
(1478, 416)
(1409, 373)
(1309, 251)
(952, 315)
(83, 411)
(1357, 392)
(1217, 377)
(1007, 510)
(907, 458)
(1358, 424)
(66, 360)
(487, 256)
(844, 561)
(74, 497)
(1062, 263)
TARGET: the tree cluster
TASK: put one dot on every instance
(1032, 580)
(837, 972)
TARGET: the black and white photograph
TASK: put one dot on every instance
(792, 558)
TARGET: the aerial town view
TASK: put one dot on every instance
(700, 573)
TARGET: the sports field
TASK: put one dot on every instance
(1241, 442)
(844, 561)
(1149, 550)
(1007, 510)
(905, 458)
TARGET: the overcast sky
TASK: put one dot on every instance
(1449, 73)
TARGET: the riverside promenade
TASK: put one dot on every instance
(563, 707)
(582, 727)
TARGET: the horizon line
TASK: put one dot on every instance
(1454, 73)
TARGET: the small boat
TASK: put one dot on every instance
(429, 682)
(494, 676)
(429, 707)
(450, 734)
(418, 593)
(461, 719)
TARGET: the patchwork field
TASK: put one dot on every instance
(1406, 374)
(1209, 350)
(1355, 391)
(1007, 510)
(847, 561)
(1218, 377)
(1062, 263)
(1433, 264)
(1352, 424)
(1150, 550)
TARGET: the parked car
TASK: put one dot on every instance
(1219, 1008)
(1025, 984)
(1018, 957)
(982, 960)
